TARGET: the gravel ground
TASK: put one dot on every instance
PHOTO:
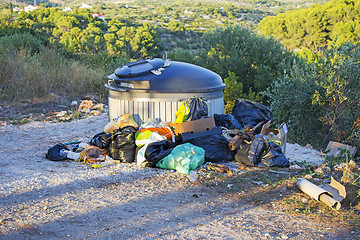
(41, 199)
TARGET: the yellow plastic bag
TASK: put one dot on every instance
(120, 122)
(182, 113)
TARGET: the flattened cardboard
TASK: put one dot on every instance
(336, 189)
(333, 148)
(195, 126)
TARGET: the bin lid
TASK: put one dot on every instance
(158, 75)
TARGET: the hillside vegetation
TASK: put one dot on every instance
(317, 26)
(53, 55)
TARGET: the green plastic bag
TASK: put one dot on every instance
(141, 138)
(182, 113)
(183, 158)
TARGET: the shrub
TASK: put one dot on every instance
(321, 102)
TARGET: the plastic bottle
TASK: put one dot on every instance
(83, 145)
(69, 154)
(193, 176)
(63, 153)
(72, 155)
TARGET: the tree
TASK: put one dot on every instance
(145, 42)
(338, 76)
(317, 26)
(176, 26)
(256, 60)
(321, 102)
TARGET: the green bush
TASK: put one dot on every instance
(291, 102)
(19, 41)
(321, 102)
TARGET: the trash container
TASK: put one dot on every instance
(154, 89)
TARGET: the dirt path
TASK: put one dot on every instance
(41, 199)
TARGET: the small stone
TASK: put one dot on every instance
(309, 146)
(95, 113)
(295, 167)
(45, 208)
(308, 176)
(85, 106)
(61, 114)
(99, 106)
(304, 200)
(230, 186)
(319, 171)
(284, 237)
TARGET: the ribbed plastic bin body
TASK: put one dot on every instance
(155, 89)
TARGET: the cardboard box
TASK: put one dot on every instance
(278, 135)
(195, 126)
(334, 148)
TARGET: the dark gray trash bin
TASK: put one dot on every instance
(154, 88)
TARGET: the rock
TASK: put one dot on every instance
(61, 114)
(319, 171)
(295, 167)
(85, 106)
(308, 176)
(309, 146)
(95, 113)
(99, 106)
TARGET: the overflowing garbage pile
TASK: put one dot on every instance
(244, 136)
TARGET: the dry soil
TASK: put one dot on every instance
(42, 199)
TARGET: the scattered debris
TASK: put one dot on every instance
(331, 194)
(295, 167)
(218, 168)
(85, 106)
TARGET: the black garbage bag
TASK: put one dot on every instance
(215, 146)
(198, 108)
(101, 140)
(54, 153)
(274, 157)
(156, 151)
(122, 146)
(258, 148)
(227, 120)
(249, 113)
